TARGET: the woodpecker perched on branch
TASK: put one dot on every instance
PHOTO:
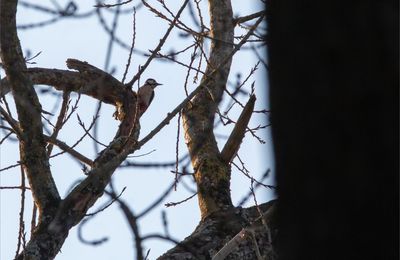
(146, 94)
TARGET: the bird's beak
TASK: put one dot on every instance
(158, 84)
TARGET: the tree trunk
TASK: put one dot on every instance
(220, 221)
(212, 174)
(332, 87)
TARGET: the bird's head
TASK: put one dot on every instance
(153, 83)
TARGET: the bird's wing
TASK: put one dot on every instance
(151, 97)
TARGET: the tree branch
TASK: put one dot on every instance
(94, 82)
(63, 146)
(33, 152)
(212, 175)
(246, 18)
(236, 137)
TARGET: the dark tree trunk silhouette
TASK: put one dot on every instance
(333, 87)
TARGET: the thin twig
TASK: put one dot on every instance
(132, 46)
(259, 57)
(14, 188)
(182, 173)
(21, 215)
(82, 137)
(88, 133)
(111, 5)
(60, 120)
(10, 167)
(147, 254)
(172, 54)
(154, 164)
(13, 123)
(177, 150)
(251, 178)
(141, 155)
(200, 16)
(240, 86)
(158, 48)
(132, 220)
(192, 58)
(263, 221)
(173, 204)
(159, 55)
(108, 205)
(248, 17)
(6, 137)
(69, 149)
(165, 222)
(157, 201)
(249, 194)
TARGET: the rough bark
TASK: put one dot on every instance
(212, 173)
(32, 144)
(220, 220)
(58, 216)
(216, 230)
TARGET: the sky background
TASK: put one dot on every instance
(86, 40)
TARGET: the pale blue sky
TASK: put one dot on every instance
(85, 40)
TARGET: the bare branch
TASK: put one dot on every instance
(21, 235)
(112, 5)
(132, 46)
(12, 122)
(173, 204)
(235, 139)
(132, 220)
(10, 166)
(14, 188)
(33, 153)
(63, 146)
(248, 17)
(116, 197)
(60, 120)
(177, 149)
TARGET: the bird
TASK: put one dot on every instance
(146, 94)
